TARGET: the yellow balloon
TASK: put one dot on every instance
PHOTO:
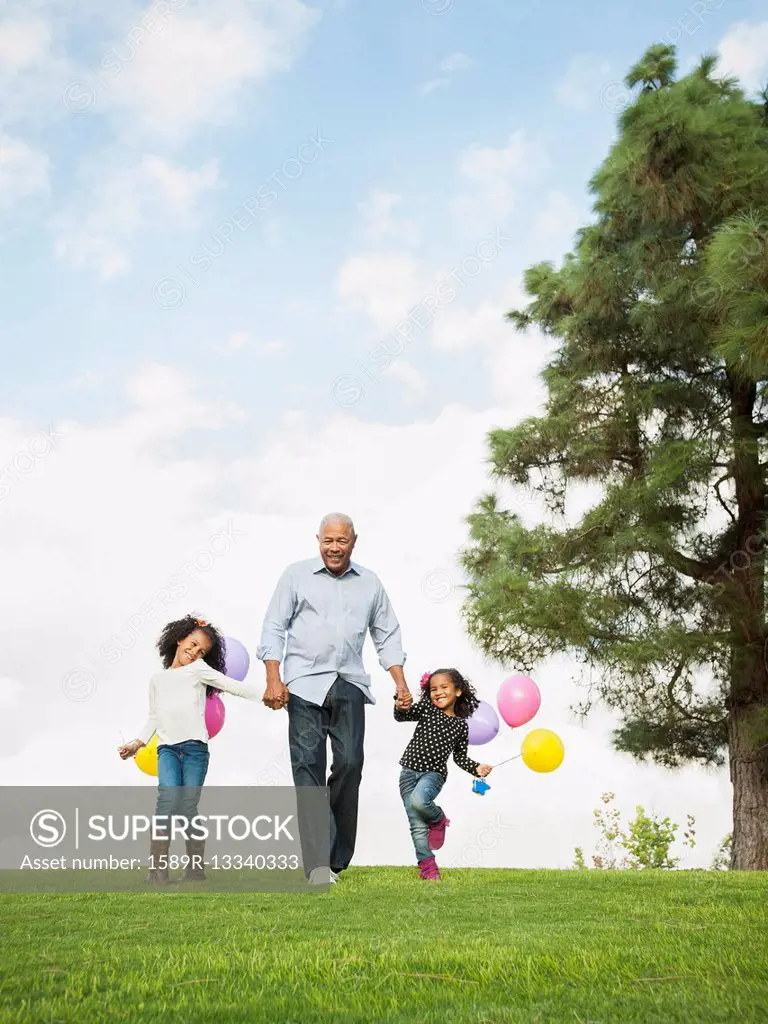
(146, 758)
(542, 750)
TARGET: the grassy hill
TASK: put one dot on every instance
(482, 945)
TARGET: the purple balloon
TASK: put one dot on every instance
(483, 724)
(236, 659)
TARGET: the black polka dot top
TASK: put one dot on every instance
(437, 736)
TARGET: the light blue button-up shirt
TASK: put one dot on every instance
(319, 622)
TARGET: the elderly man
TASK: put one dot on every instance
(319, 615)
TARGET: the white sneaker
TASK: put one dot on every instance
(322, 876)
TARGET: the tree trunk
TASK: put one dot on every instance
(748, 745)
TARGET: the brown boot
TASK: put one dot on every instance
(158, 854)
(194, 871)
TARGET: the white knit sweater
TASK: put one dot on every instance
(177, 701)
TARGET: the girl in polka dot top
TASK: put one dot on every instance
(446, 703)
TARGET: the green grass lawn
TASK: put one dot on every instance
(482, 945)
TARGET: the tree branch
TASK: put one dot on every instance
(685, 712)
(720, 498)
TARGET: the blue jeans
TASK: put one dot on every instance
(418, 790)
(340, 719)
(181, 771)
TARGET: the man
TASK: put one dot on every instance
(319, 615)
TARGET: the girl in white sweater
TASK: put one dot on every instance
(193, 656)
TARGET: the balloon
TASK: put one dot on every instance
(542, 750)
(215, 713)
(483, 724)
(236, 659)
(518, 700)
(146, 758)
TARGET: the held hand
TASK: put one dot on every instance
(484, 769)
(276, 695)
(129, 749)
(403, 698)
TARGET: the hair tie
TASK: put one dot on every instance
(200, 622)
(425, 680)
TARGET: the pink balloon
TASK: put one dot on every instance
(215, 714)
(518, 700)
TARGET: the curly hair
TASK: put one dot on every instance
(180, 629)
(466, 703)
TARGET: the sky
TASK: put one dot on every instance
(256, 259)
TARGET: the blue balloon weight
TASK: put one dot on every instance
(236, 659)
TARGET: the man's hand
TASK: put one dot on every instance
(403, 697)
(402, 693)
(484, 769)
(276, 694)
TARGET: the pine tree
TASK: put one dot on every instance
(656, 400)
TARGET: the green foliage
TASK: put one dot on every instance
(645, 841)
(722, 859)
(657, 410)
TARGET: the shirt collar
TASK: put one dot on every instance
(318, 565)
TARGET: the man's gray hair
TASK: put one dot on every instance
(337, 517)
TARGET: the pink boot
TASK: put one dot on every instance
(436, 835)
(428, 869)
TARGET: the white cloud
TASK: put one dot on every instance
(455, 62)
(496, 176)
(98, 228)
(136, 533)
(24, 43)
(558, 220)
(383, 285)
(34, 68)
(744, 53)
(451, 64)
(414, 384)
(238, 341)
(380, 222)
(189, 69)
(167, 403)
(432, 85)
(580, 86)
(23, 171)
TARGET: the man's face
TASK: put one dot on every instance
(336, 545)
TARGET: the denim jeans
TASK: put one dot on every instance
(181, 771)
(418, 791)
(341, 718)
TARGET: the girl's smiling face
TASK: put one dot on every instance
(443, 692)
(193, 647)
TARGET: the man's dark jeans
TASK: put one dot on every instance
(341, 718)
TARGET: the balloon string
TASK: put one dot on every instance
(507, 761)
